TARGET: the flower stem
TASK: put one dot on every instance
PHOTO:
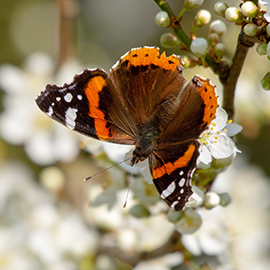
(181, 14)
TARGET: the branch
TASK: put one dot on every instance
(229, 78)
(173, 244)
(67, 11)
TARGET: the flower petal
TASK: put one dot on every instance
(233, 129)
(220, 121)
(205, 156)
(220, 146)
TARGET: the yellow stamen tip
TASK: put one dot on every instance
(230, 121)
(225, 129)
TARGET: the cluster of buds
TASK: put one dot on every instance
(255, 20)
(199, 46)
(249, 16)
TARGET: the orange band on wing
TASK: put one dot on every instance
(147, 56)
(170, 167)
(208, 94)
(94, 86)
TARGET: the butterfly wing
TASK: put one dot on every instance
(172, 169)
(173, 162)
(117, 108)
(196, 110)
(146, 80)
(84, 106)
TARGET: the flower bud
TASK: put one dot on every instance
(202, 18)
(268, 48)
(268, 29)
(262, 49)
(169, 40)
(232, 14)
(220, 8)
(217, 27)
(174, 216)
(162, 19)
(249, 9)
(191, 4)
(250, 29)
(219, 50)
(199, 46)
(139, 211)
(265, 82)
(213, 39)
(211, 200)
(225, 199)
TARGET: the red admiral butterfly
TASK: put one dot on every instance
(142, 102)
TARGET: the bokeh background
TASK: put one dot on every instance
(50, 218)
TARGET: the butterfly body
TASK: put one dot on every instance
(143, 101)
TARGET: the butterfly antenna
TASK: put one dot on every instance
(89, 177)
(129, 184)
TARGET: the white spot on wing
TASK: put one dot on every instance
(168, 191)
(79, 97)
(68, 97)
(181, 173)
(58, 98)
(174, 204)
(182, 182)
(71, 115)
(50, 111)
(182, 191)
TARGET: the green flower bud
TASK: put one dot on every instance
(219, 50)
(199, 46)
(169, 40)
(174, 216)
(162, 19)
(139, 211)
(249, 9)
(211, 200)
(250, 29)
(232, 14)
(262, 49)
(202, 18)
(268, 29)
(225, 199)
(213, 39)
(220, 8)
(217, 27)
(265, 82)
(191, 4)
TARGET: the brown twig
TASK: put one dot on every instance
(230, 74)
(67, 11)
(173, 244)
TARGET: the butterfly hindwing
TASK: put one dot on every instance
(172, 169)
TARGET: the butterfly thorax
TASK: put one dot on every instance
(144, 145)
